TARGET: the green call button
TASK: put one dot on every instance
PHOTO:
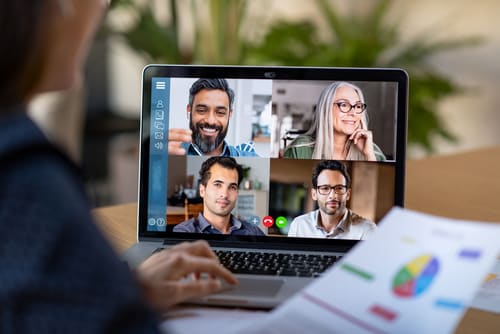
(281, 222)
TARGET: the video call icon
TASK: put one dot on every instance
(281, 222)
(255, 220)
(268, 221)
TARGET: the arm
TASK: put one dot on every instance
(160, 276)
(290, 153)
(59, 273)
(379, 154)
(301, 147)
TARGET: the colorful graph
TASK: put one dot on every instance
(415, 276)
(492, 281)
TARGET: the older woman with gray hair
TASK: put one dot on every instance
(340, 128)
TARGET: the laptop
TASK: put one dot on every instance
(272, 106)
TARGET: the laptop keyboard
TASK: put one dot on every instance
(279, 264)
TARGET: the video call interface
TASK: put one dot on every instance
(271, 122)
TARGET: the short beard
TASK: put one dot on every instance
(206, 145)
(340, 209)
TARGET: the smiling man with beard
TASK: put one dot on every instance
(331, 189)
(209, 111)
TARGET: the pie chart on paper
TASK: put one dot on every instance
(415, 276)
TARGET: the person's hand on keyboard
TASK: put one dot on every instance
(161, 275)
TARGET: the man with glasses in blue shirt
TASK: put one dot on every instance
(331, 189)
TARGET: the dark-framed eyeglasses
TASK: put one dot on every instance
(326, 189)
(345, 106)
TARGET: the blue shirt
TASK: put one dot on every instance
(201, 225)
(58, 274)
(241, 150)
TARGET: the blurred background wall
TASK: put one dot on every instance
(110, 102)
(471, 116)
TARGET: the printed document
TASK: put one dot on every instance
(417, 274)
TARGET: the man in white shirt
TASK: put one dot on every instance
(331, 189)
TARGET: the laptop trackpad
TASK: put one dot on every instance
(253, 287)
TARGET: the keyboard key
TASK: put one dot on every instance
(261, 263)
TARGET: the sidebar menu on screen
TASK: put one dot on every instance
(158, 163)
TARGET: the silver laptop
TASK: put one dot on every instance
(271, 107)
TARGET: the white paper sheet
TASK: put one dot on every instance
(188, 320)
(417, 274)
(487, 298)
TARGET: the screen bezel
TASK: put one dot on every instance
(271, 73)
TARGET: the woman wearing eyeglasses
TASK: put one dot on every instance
(340, 128)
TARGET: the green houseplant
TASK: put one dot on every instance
(216, 27)
(367, 39)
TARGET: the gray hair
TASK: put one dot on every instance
(322, 130)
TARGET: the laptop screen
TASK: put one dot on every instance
(318, 153)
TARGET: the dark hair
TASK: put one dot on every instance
(24, 51)
(226, 162)
(330, 165)
(211, 84)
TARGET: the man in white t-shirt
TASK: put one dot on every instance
(331, 189)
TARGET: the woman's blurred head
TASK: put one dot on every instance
(44, 45)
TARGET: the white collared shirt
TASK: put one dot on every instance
(351, 226)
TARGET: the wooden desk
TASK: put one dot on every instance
(465, 186)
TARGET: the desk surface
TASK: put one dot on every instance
(464, 186)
